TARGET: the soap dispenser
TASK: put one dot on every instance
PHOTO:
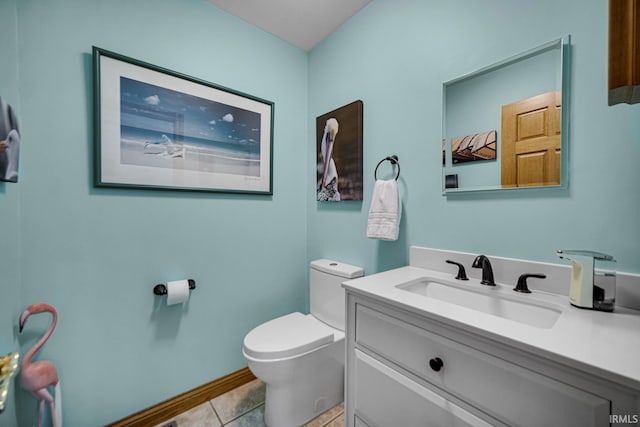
(593, 279)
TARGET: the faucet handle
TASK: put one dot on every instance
(462, 274)
(522, 282)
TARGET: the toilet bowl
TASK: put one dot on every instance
(300, 357)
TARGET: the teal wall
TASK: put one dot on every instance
(9, 204)
(395, 55)
(95, 254)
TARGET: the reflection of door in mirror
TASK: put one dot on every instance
(531, 141)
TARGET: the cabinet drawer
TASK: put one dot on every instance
(386, 398)
(512, 394)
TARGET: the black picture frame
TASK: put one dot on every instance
(159, 129)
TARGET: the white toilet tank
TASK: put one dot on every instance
(326, 292)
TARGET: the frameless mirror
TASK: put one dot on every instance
(505, 126)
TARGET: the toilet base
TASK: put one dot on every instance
(293, 406)
(303, 384)
(301, 388)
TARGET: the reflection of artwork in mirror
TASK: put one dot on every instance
(531, 141)
(479, 146)
(509, 112)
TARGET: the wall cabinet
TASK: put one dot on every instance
(624, 51)
(405, 369)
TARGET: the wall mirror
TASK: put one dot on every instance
(505, 126)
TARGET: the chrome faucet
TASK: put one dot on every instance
(482, 262)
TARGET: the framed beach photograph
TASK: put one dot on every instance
(158, 129)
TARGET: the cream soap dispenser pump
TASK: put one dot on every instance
(590, 287)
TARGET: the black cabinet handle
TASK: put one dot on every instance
(436, 364)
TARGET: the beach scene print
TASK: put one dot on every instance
(163, 128)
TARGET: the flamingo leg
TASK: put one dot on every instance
(40, 412)
(42, 395)
(54, 418)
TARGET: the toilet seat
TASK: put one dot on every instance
(287, 336)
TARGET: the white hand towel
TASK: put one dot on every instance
(385, 211)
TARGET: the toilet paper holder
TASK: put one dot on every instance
(161, 289)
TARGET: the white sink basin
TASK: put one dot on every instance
(486, 300)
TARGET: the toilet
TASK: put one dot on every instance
(300, 357)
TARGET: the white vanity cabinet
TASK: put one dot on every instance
(407, 369)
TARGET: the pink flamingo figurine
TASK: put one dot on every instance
(37, 376)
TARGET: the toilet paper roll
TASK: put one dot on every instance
(177, 292)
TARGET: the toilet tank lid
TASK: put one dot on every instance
(337, 268)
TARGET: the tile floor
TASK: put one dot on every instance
(244, 407)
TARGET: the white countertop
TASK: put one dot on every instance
(602, 344)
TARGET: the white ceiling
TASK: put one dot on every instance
(303, 23)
